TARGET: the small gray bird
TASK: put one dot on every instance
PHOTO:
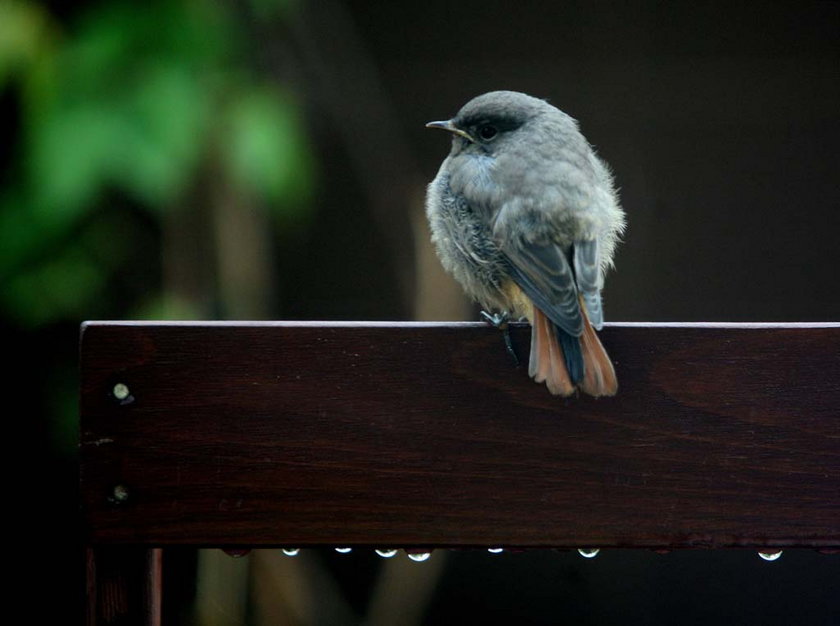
(525, 216)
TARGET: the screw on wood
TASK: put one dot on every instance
(122, 394)
(119, 495)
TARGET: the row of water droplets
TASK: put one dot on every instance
(385, 554)
(587, 553)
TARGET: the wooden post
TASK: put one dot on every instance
(123, 586)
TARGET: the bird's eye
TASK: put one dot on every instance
(487, 131)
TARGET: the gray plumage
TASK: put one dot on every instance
(522, 197)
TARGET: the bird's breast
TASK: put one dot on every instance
(464, 242)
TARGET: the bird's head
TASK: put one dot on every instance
(493, 121)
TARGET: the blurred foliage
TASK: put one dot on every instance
(141, 100)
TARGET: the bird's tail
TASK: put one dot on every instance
(598, 372)
(547, 362)
(564, 362)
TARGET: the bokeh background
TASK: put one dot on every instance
(266, 159)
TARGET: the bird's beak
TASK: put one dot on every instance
(448, 125)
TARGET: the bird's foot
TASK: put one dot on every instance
(500, 321)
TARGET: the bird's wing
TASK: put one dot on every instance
(589, 278)
(592, 300)
(542, 271)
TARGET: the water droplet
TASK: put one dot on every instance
(495, 550)
(344, 550)
(770, 556)
(589, 553)
(236, 553)
(386, 554)
(291, 551)
(419, 556)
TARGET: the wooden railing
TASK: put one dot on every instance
(416, 435)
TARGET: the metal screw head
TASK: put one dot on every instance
(121, 393)
(119, 495)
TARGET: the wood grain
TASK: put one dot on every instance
(425, 434)
(123, 586)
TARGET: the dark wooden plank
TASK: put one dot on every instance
(425, 434)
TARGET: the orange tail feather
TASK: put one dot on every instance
(599, 376)
(546, 363)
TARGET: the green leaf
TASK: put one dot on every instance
(70, 155)
(266, 150)
(23, 35)
(166, 122)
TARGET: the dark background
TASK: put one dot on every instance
(720, 121)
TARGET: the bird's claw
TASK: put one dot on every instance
(501, 321)
(497, 320)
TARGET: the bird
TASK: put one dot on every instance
(526, 217)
